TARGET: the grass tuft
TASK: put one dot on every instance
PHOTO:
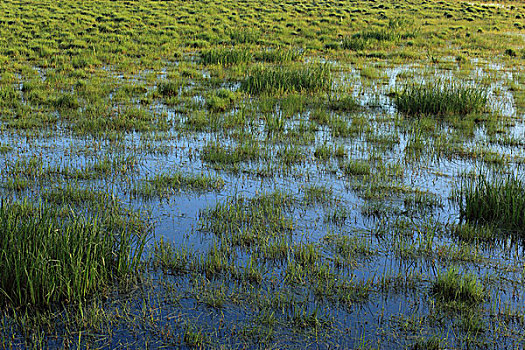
(356, 167)
(311, 78)
(495, 200)
(47, 260)
(441, 99)
(278, 55)
(165, 183)
(169, 88)
(226, 57)
(452, 286)
(469, 232)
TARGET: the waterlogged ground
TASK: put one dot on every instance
(303, 211)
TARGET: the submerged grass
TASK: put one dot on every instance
(162, 184)
(217, 153)
(247, 221)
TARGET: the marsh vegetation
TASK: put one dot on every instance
(262, 174)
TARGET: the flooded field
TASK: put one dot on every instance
(262, 175)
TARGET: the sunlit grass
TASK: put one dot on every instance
(47, 259)
(494, 200)
(226, 57)
(441, 99)
(453, 286)
(111, 102)
(311, 78)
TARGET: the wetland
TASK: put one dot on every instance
(275, 175)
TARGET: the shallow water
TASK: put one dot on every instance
(177, 216)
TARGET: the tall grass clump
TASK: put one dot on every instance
(66, 101)
(452, 286)
(369, 36)
(169, 88)
(354, 43)
(46, 259)
(380, 34)
(226, 57)
(441, 99)
(278, 55)
(310, 78)
(494, 200)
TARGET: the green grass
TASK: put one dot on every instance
(356, 167)
(164, 183)
(169, 88)
(171, 258)
(370, 72)
(305, 319)
(290, 155)
(101, 119)
(383, 34)
(278, 55)
(319, 116)
(220, 100)
(73, 194)
(310, 78)
(344, 104)
(496, 200)
(179, 180)
(194, 337)
(275, 123)
(46, 259)
(372, 37)
(66, 101)
(441, 99)
(217, 153)
(318, 194)
(349, 247)
(323, 152)
(455, 287)
(9, 97)
(469, 232)
(432, 343)
(225, 56)
(249, 222)
(306, 254)
(354, 43)
(99, 99)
